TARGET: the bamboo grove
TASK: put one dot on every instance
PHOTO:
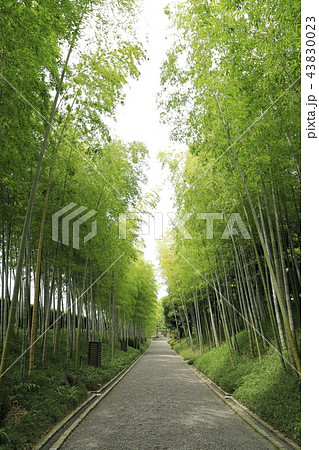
(63, 66)
(231, 91)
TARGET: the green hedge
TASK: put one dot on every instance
(263, 386)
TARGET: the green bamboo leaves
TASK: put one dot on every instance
(231, 92)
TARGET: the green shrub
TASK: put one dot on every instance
(44, 398)
(263, 386)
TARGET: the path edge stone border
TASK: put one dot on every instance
(256, 422)
(112, 383)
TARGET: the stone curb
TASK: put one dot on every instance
(97, 394)
(256, 422)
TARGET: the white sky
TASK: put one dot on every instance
(139, 119)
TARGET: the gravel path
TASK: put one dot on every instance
(161, 404)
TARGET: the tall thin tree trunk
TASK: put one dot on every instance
(57, 319)
(212, 318)
(293, 352)
(283, 268)
(40, 246)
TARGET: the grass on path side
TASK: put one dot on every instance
(262, 386)
(33, 405)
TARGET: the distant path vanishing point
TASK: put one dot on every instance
(161, 404)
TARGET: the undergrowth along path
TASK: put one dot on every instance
(161, 404)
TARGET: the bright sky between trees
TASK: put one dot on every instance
(139, 119)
